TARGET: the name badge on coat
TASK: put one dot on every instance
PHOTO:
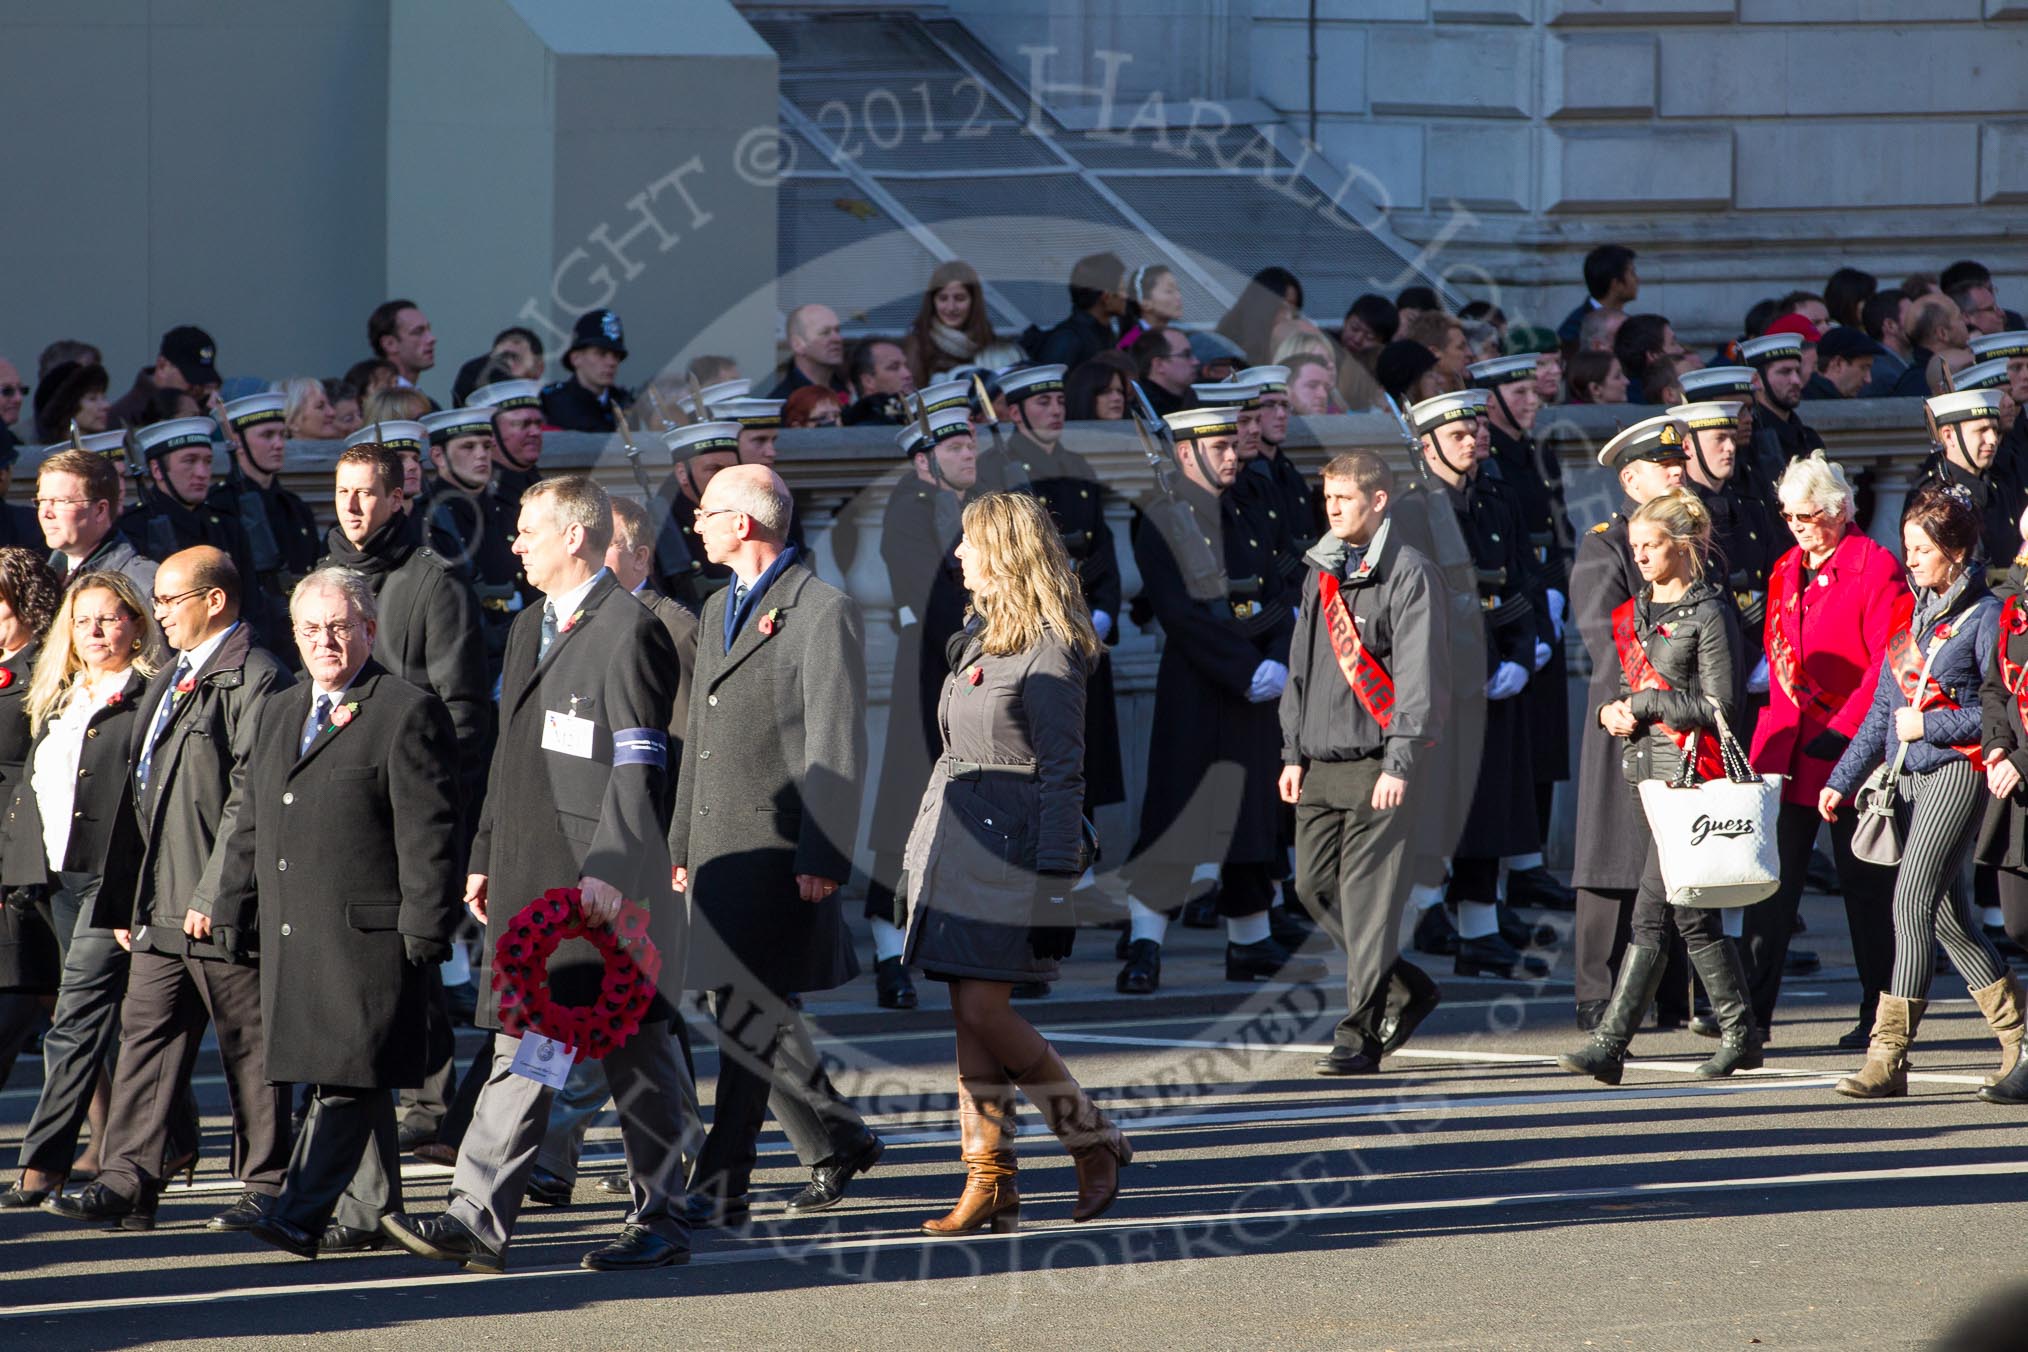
(567, 733)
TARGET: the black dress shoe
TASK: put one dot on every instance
(1801, 962)
(241, 1215)
(1490, 955)
(1589, 1012)
(99, 1204)
(1704, 1024)
(1523, 933)
(618, 1184)
(1857, 1037)
(1539, 887)
(445, 1239)
(345, 1239)
(1347, 1061)
(1290, 929)
(828, 1181)
(407, 1138)
(1398, 1026)
(637, 1247)
(1201, 911)
(1143, 972)
(1267, 960)
(284, 1236)
(1435, 933)
(18, 1198)
(707, 1209)
(1030, 990)
(891, 985)
(547, 1188)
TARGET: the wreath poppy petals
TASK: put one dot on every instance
(626, 990)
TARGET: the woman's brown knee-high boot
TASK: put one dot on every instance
(2001, 1003)
(1096, 1146)
(1885, 1074)
(986, 1133)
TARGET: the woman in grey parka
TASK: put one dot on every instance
(998, 842)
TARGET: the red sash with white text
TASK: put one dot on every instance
(1905, 660)
(1641, 675)
(1371, 685)
(1784, 644)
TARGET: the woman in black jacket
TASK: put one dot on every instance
(30, 961)
(1679, 647)
(997, 845)
(70, 830)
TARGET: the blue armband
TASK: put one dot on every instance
(641, 746)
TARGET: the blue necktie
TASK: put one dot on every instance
(319, 707)
(162, 712)
(548, 631)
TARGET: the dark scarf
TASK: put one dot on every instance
(385, 548)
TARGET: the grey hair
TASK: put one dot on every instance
(766, 503)
(576, 500)
(347, 582)
(298, 390)
(1813, 481)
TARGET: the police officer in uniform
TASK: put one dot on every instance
(1032, 459)
(175, 513)
(918, 542)
(1650, 459)
(584, 401)
(1214, 761)
(517, 435)
(466, 520)
(696, 452)
(1527, 471)
(281, 529)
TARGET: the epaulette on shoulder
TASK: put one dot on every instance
(1600, 528)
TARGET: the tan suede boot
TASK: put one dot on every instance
(2001, 1004)
(1096, 1146)
(1885, 1074)
(986, 1133)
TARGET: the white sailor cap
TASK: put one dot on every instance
(723, 392)
(257, 408)
(1708, 416)
(1717, 382)
(1271, 379)
(448, 424)
(2013, 343)
(175, 434)
(400, 434)
(502, 395)
(1657, 439)
(1497, 371)
(1234, 393)
(112, 445)
(751, 413)
(1437, 410)
(1985, 375)
(1770, 348)
(1959, 406)
(944, 423)
(1024, 382)
(942, 395)
(701, 438)
(1196, 424)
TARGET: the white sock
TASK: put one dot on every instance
(1992, 915)
(1145, 923)
(1732, 921)
(1246, 929)
(1089, 878)
(1204, 873)
(886, 940)
(1425, 895)
(1477, 919)
(1521, 863)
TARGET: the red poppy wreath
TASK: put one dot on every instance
(521, 974)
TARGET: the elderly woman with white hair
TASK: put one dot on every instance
(1830, 614)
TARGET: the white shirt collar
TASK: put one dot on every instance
(567, 604)
(198, 656)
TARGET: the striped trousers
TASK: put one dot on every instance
(1932, 901)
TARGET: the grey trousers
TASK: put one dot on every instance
(345, 1166)
(1353, 873)
(511, 1118)
(583, 1095)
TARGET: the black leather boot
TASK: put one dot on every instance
(1739, 1041)
(1604, 1058)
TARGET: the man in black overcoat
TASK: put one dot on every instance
(344, 829)
(575, 799)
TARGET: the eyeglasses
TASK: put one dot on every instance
(89, 624)
(40, 503)
(717, 511)
(1802, 518)
(338, 632)
(15, 391)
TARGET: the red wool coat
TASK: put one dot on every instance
(1838, 629)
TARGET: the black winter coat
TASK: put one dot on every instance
(1695, 646)
(105, 840)
(348, 848)
(29, 958)
(1611, 831)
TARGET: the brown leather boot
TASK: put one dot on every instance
(1885, 1074)
(2001, 1004)
(1096, 1146)
(986, 1131)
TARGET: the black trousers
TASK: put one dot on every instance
(346, 1165)
(169, 1002)
(1654, 919)
(767, 1063)
(82, 1029)
(425, 1107)
(1869, 911)
(2013, 887)
(1601, 930)
(1243, 889)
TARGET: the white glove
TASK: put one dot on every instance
(1756, 684)
(1268, 679)
(1559, 612)
(1509, 680)
(1103, 623)
(1542, 654)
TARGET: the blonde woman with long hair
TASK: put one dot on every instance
(998, 842)
(71, 834)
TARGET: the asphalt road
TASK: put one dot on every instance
(1471, 1197)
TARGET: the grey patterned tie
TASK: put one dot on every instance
(548, 631)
